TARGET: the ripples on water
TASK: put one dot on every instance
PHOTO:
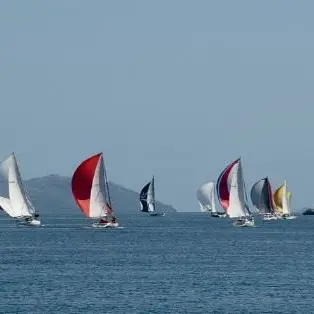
(180, 263)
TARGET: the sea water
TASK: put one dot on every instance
(180, 263)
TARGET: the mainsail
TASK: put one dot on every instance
(18, 204)
(261, 196)
(206, 197)
(90, 188)
(289, 195)
(285, 201)
(238, 206)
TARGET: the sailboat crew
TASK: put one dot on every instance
(103, 220)
(28, 219)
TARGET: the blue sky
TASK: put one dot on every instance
(174, 88)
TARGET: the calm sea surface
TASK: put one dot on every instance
(180, 263)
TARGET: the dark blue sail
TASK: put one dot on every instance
(143, 198)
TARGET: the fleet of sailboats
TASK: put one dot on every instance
(233, 199)
(90, 189)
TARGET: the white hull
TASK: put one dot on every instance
(157, 214)
(33, 222)
(288, 217)
(106, 225)
(244, 223)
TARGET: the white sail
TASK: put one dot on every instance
(214, 210)
(97, 197)
(20, 205)
(6, 206)
(202, 208)
(289, 202)
(237, 204)
(285, 201)
(151, 196)
(206, 197)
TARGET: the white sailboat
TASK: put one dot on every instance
(233, 197)
(18, 205)
(206, 199)
(147, 199)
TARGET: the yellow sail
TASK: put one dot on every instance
(278, 199)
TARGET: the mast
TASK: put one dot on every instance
(270, 196)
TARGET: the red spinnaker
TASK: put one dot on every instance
(222, 186)
(82, 181)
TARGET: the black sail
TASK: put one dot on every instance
(143, 198)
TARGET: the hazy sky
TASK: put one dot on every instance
(173, 88)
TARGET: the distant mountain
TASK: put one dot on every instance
(52, 193)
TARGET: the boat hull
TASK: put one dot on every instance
(244, 223)
(217, 215)
(309, 212)
(155, 214)
(105, 225)
(33, 222)
(289, 217)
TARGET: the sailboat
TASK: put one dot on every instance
(206, 199)
(232, 195)
(147, 199)
(90, 190)
(262, 199)
(18, 205)
(282, 199)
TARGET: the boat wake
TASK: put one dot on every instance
(108, 228)
(23, 224)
